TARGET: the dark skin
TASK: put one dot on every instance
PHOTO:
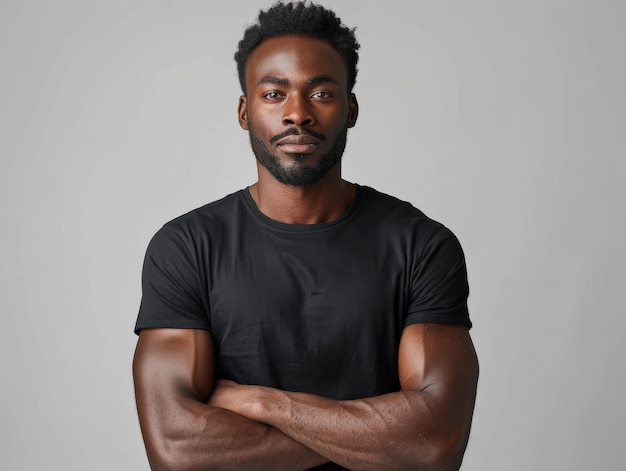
(295, 82)
(192, 420)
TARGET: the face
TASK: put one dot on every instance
(297, 108)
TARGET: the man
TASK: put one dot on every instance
(304, 322)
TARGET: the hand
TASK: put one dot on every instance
(246, 400)
(222, 395)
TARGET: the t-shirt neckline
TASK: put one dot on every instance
(304, 228)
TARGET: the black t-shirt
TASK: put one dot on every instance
(315, 308)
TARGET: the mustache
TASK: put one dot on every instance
(297, 132)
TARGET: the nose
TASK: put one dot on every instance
(297, 112)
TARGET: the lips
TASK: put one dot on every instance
(298, 144)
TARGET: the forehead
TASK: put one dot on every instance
(293, 58)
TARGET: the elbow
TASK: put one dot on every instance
(447, 456)
(174, 455)
(444, 453)
(174, 444)
(166, 457)
(172, 461)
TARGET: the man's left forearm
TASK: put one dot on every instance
(402, 430)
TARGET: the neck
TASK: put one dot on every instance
(320, 202)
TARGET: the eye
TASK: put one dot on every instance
(321, 95)
(273, 95)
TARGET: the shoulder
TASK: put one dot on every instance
(215, 212)
(209, 216)
(198, 226)
(395, 216)
(391, 209)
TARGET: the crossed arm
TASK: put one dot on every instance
(190, 422)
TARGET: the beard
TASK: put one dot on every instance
(298, 173)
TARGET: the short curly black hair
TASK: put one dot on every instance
(298, 18)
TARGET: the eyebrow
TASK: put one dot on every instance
(321, 79)
(269, 79)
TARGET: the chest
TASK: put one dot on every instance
(308, 284)
(314, 309)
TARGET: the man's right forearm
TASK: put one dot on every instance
(202, 437)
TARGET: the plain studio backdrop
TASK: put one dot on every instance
(505, 120)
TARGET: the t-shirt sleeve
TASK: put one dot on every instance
(439, 287)
(172, 285)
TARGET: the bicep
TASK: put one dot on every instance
(440, 360)
(170, 364)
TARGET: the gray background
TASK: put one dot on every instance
(504, 120)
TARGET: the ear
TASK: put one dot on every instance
(242, 112)
(353, 110)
